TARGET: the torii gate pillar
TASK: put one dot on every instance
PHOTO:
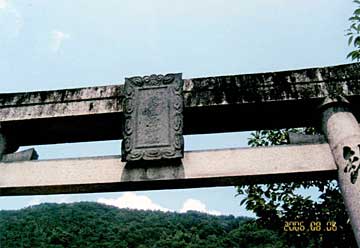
(343, 134)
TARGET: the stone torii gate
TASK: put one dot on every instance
(325, 97)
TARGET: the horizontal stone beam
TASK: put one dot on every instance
(197, 169)
(259, 101)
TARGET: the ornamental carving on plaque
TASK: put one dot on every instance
(153, 118)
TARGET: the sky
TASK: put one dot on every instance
(70, 44)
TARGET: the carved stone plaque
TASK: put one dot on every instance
(153, 123)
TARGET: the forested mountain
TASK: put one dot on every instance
(89, 224)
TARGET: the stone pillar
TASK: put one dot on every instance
(3, 143)
(7, 144)
(343, 134)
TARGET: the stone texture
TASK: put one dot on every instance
(26, 155)
(268, 100)
(223, 168)
(343, 134)
(153, 118)
(296, 138)
(274, 86)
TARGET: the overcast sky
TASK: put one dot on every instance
(68, 44)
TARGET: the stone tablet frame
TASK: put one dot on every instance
(153, 118)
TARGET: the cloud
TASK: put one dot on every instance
(196, 205)
(133, 201)
(57, 39)
(3, 4)
(129, 200)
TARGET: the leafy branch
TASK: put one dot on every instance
(353, 33)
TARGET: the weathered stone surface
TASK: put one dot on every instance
(267, 100)
(61, 103)
(223, 167)
(343, 134)
(274, 86)
(296, 138)
(153, 118)
(26, 155)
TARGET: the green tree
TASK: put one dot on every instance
(249, 235)
(96, 225)
(278, 203)
(353, 33)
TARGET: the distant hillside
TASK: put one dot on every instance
(88, 224)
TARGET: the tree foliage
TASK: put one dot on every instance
(275, 204)
(96, 225)
(353, 33)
